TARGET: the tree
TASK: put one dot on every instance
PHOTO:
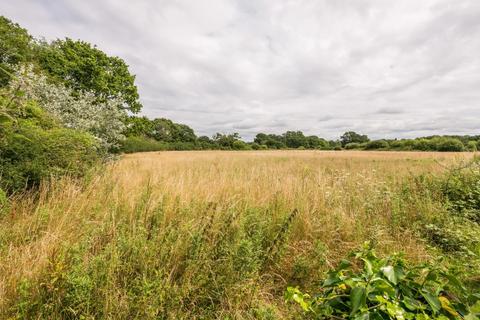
(352, 136)
(138, 127)
(295, 139)
(226, 141)
(272, 141)
(15, 47)
(450, 144)
(84, 67)
(315, 142)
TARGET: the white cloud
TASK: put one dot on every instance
(385, 68)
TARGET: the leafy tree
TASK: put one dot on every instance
(15, 47)
(138, 127)
(272, 141)
(351, 136)
(449, 145)
(84, 67)
(226, 141)
(295, 139)
(314, 142)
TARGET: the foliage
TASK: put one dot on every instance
(295, 139)
(34, 149)
(376, 144)
(353, 145)
(352, 136)
(462, 190)
(386, 288)
(449, 144)
(83, 67)
(226, 141)
(141, 144)
(15, 47)
(78, 111)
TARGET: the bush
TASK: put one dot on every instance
(142, 144)
(377, 144)
(240, 145)
(352, 145)
(449, 145)
(33, 147)
(472, 146)
(386, 289)
(31, 154)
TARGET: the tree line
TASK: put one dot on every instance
(143, 134)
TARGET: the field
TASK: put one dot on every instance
(183, 235)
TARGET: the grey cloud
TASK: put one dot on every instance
(389, 110)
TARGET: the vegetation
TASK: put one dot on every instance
(220, 235)
(387, 288)
(55, 118)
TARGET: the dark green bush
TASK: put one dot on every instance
(142, 144)
(449, 145)
(353, 145)
(34, 148)
(376, 144)
(31, 154)
(240, 145)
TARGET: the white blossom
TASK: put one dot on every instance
(76, 110)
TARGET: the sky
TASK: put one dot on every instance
(386, 68)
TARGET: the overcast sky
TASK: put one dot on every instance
(385, 68)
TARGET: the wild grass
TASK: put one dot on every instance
(207, 235)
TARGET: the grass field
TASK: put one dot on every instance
(184, 235)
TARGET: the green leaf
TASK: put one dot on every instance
(432, 301)
(357, 299)
(412, 304)
(368, 266)
(390, 274)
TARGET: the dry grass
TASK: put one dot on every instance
(176, 200)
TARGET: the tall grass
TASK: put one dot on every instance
(205, 235)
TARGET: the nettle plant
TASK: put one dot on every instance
(75, 110)
(368, 287)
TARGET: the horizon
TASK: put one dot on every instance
(385, 69)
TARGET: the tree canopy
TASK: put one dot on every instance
(84, 67)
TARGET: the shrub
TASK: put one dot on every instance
(449, 145)
(31, 154)
(353, 145)
(141, 144)
(33, 147)
(376, 144)
(240, 145)
(472, 146)
(386, 289)
(75, 110)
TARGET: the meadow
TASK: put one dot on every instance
(216, 234)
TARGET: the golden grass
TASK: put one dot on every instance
(343, 199)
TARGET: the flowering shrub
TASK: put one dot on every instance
(80, 111)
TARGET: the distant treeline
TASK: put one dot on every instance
(144, 134)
